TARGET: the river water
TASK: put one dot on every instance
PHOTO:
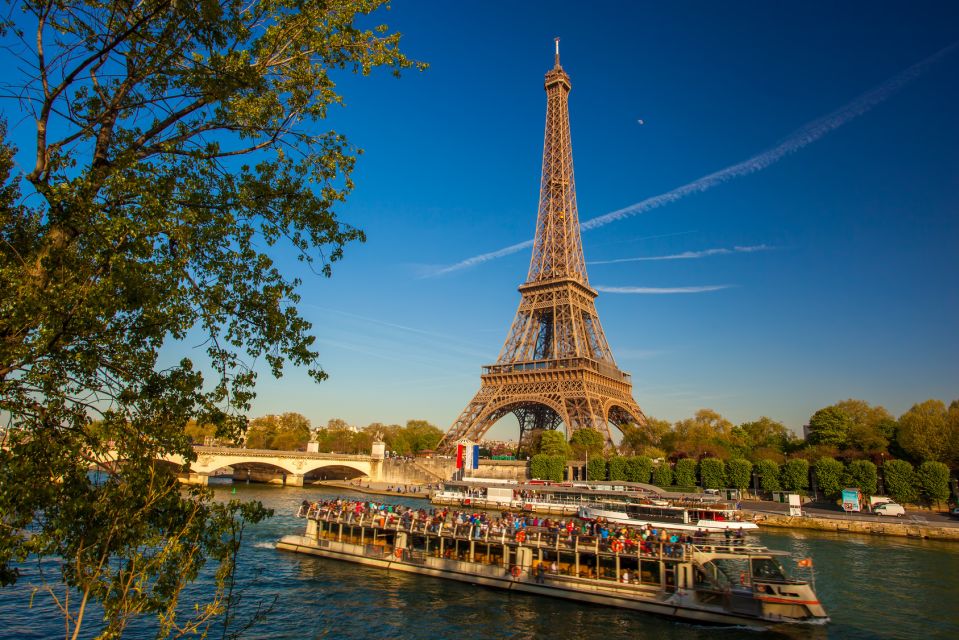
(872, 587)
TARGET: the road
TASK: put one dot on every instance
(826, 510)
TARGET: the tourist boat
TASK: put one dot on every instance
(680, 517)
(705, 581)
(632, 504)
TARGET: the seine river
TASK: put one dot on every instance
(871, 587)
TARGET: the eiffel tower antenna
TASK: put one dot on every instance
(555, 367)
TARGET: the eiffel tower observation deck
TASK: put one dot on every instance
(556, 367)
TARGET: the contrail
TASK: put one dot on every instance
(688, 255)
(483, 257)
(802, 137)
(662, 290)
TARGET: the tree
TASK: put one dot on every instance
(163, 181)
(862, 474)
(829, 476)
(764, 433)
(870, 428)
(596, 469)
(553, 443)
(795, 474)
(706, 432)
(287, 432)
(768, 472)
(830, 426)
(738, 471)
(900, 480)
(933, 481)
(684, 472)
(636, 437)
(923, 431)
(261, 432)
(198, 433)
(416, 436)
(546, 467)
(952, 427)
(587, 441)
(663, 475)
(422, 435)
(712, 471)
(639, 469)
(617, 468)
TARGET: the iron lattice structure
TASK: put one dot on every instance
(555, 366)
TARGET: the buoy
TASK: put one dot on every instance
(515, 571)
(398, 553)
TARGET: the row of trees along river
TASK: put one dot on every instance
(846, 445)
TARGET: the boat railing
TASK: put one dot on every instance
(733, 548)
(536, 537)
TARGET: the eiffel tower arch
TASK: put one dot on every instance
(555, 367)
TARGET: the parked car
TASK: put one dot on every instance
(889, 509)
(955, 512)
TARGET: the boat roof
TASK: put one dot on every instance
(613, 488)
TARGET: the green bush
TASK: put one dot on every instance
(768, 472)
(663, 475)
(596, 469)
(639, 469)
(738, 473)
(795, 474)
(546, 467)
(829, 476)
(862, 474)
(684, 473)
(900, 481)
(617, 468)
(932, 479)
(712, 471)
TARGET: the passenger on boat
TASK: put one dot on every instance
(541, 573)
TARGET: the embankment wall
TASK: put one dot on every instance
(900, 528)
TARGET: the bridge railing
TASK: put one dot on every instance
(275, 453)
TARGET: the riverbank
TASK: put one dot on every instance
(376, 488)
(898, 528)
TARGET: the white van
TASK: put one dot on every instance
(889, 509)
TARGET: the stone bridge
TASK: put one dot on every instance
(298, 468)
(294, 468)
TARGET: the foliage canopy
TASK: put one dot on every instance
(176, 147)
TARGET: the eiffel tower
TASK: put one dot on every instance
(555, 366)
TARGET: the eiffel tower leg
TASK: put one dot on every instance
(587, 413)
(466, 425)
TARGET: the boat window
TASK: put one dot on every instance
(767, 569)
(649, 572)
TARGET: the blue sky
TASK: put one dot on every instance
(851, 288)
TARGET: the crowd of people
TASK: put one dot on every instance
(608, 536)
